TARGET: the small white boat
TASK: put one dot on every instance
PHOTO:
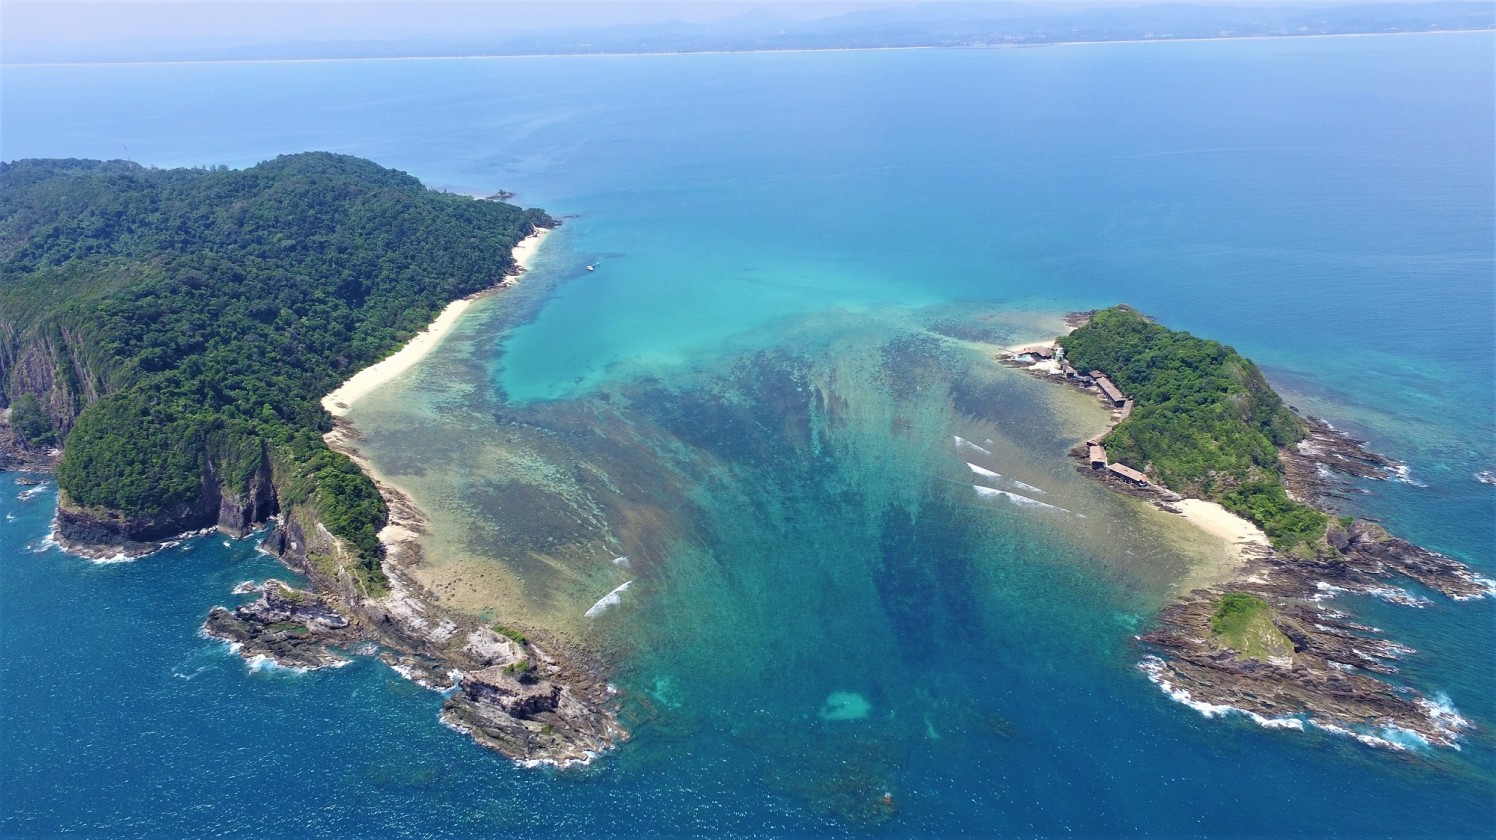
(592, 268)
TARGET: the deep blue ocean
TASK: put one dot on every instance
(1327, 206)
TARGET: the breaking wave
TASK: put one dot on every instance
(1015, 498)
(612, 599)
(962, 442)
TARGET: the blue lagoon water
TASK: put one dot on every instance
(825, 610)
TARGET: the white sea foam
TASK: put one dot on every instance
(1022, 501)
(532, 763)
(982, 471)
(454, 725)
(962, 442)
(1390, 594)
(1326, 592)
(1367, 739)
(1404, 474)
(1393, 595)
(1440, 711)
(112, 559)
(1154, 668)
(260, 662)
(1029, 487)
(410, 674)
(612, 599)
(1484, 582)
(31, 492)
(621, 561)
(1443, 715)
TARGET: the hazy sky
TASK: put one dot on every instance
(33, 23)
(26, 21)
(78, 29)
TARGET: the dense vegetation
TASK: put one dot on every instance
(216, 307)
(1244, 623)
(1204, 421)
(31, 422)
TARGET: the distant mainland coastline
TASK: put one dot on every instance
(930, 26)
(1007, 45)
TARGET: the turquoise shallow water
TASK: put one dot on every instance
(768, 228)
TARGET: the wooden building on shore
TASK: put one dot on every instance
(1098, 456)
(1129, 475)
(1112, 393)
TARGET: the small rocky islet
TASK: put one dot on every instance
(1304, 661)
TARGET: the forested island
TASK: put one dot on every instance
(177, 328)
(173, 331)
(1201, 421)
(1206, 422)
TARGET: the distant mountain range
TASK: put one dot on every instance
(954, 24)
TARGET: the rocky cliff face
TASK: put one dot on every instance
(55, 363)
(235, 510)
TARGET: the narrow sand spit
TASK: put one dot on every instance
(370, 378)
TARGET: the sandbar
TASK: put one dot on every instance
(366, 381)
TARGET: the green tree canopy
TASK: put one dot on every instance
(1204, 421)
(221, 305)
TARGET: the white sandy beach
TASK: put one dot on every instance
(367, 380)
(1214, 519)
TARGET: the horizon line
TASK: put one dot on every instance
(775, 50)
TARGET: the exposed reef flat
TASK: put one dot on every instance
(1328, 670)
(527, 698)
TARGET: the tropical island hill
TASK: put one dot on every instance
(173, 332)
(1193, 418)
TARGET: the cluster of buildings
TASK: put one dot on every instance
(1109, 392)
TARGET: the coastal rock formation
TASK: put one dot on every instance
(1339, 675)
(291, 627)
(527, 718)
(1312, 463)
(17, 454)
(515, 696)
(232, 507)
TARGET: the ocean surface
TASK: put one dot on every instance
(859, 562)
